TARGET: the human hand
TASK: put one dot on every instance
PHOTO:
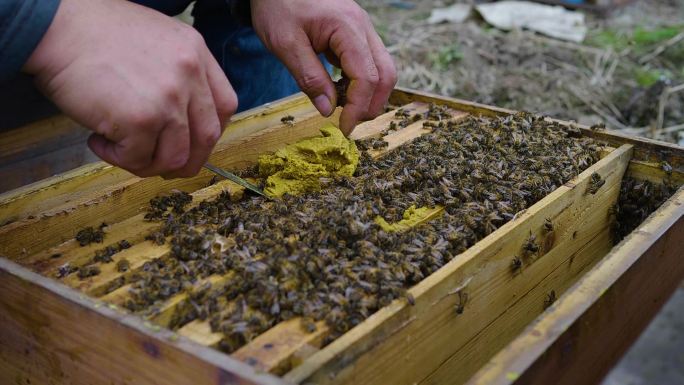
(146, 84)
(297, 30)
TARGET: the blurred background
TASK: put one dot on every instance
(617, 62)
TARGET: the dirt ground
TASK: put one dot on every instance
(617, 76)
(658, 355)
(620, 75)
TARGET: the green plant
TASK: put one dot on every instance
(445, 56)
(609, 38)
(641, 38)
(647, 77)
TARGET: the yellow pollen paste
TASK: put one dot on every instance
(412, 217)
(299, 167)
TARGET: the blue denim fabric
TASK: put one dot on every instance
(257, 76)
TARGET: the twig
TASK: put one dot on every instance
(567, 66)
(636, 130)
(673, 129)
(611, 120)
(561, 43)
(675, 89)
(613, 108)
(599, 68)
(662, 103)
(674, 40)
(613, 67)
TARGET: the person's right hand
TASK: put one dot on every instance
(146, 84)
(297, 30)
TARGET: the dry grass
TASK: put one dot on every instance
(626, 75)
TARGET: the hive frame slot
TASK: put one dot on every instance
(654, 173)
(274, 350)
(374, 128)
(432, 330)
(164, 314)
(136, 256)
(200, 331)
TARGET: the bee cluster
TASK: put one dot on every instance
(595, 183)
(105, 255)
(91, 268)
(638, 199)
(321, 256)
(176, 201)
(90, 235)
(371, 144)
(288, 120)
(405, 118)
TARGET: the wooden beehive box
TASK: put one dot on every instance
(51, 333)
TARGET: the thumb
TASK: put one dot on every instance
(115, 154)
(307, 69)
(103, 148)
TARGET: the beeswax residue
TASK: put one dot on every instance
(299, 167)
(412, 217)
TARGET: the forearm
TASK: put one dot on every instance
(22, 25)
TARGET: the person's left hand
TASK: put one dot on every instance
(297, 30)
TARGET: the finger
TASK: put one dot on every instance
(358, 64)
(205, 130)
(387, 74)
(132, 153)
(300, 59)
(173, 150)
(224, 96)
(103, 148)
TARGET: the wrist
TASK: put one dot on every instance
(49, 48)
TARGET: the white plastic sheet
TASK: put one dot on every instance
(456, 13)
(554, 21)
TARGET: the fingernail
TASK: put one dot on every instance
(323, 105)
